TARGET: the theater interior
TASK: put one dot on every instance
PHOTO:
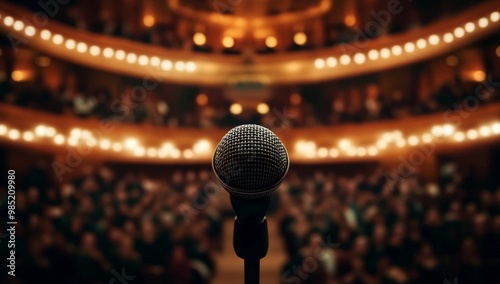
(110, 112)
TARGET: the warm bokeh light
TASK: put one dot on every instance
(14, 134)
(18, 25)
(397, 50)
(345, 59)
(228, 42)
(350, 20)
(202, 147)
(202, 99)
(319, 63)
(199, 39)
(148, 20)
(235, 109)
(385, 53)
(448, 37)
(359, 58)
(373, 54)
(45, 34)
(300, 38)
(30, 31)
(409, 47)
(94, 50)
(166, 65)
(120, 54)
(421, 43)
(433, 39)
(271, 42)
(331, 62)
(180, 66)
(70, 44)
(143, 60)
(57, 39)
(262, 108)
(108, 52)
(131, 58)
(8, 21)
(479, 76)
(19, 75)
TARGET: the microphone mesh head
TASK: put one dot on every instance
(250, 161)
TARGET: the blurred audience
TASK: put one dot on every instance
(363, 229)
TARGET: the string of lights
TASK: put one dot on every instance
(390, 140)
(203, 148)
(81, 47)
(409, 47)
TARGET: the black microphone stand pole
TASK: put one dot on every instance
(250, 236)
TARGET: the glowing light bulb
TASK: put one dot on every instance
(94, 50)
(155, 61)
(131, 58)
(459, 32)
(57, 39)
(459, 136)
(472, 134)
(470, 27)
(345, 59)
(120, 54)
(30, 31)
(190, 66)
(45, 34)
(483, 22)
(81, 47)
(385, 53)
(331, 62)
(373, 54)
(448, 37)
(319, 63)
(166, 65)
(359, 58)
(421, 43)
(397, 50)
(409, 47)
(108, 52)
(433, 39)
(59, 139)
(143, 60)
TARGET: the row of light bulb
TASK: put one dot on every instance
(203, 147)
(409, 47)
(82, 137)
(95, 50)
(437, 134)
(299, 38)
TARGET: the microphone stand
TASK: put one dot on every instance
(250, 236)
(250, 242)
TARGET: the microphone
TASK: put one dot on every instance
(250, 162)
